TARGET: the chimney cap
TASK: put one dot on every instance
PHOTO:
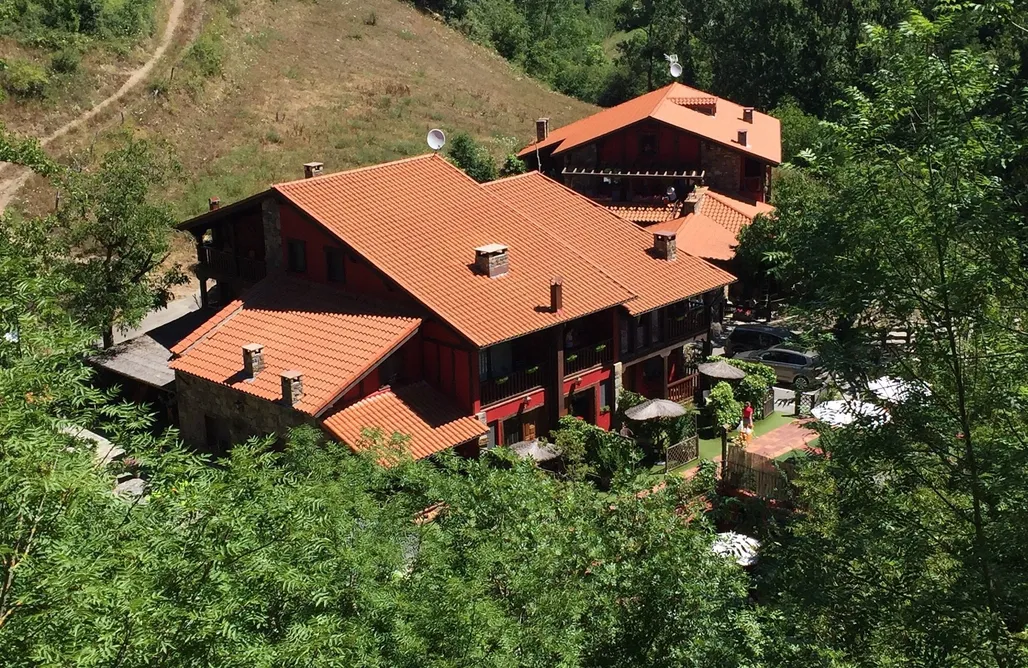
(314, 164)
(312, 169)
(292, 374)
(743, 137)
(214, 203)
(491, 249)
(665, 234)
(253, 347)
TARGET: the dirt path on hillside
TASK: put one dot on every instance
(13, 178)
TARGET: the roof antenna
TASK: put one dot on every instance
(674, 65)
(436, 139)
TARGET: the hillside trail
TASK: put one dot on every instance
(18, 176)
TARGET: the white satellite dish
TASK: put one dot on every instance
(436, 139)
(675, 66)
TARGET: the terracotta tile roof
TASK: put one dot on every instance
(330, 337)
(713, 232)
(617, 245)
(419, 221)
(667, 105)
(645, 215)
(431, 421)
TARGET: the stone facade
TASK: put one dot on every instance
(272, 235)
(238, 415)
(722, 167)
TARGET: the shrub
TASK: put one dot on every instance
(753, 388)
(370, 19)
(725, 409)
(589, 450)
(207, 52)
(65, 61)
(24, 79)
(512, 165)
(472, 157)
(756, 368)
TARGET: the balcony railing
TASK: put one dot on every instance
(586, 357)
(228, 264)
(684, 390)
(688, 324)
(517, 382)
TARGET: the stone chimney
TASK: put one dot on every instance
(253, 359)
(213, 203)
(742, 137)
(312, 169)
(693, 201)
(491, 260)
(664, 245)
(556, 294)
(542, 129)
(292, 387)
(747, 114)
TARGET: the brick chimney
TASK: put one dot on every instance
(213, 203)
(292, 387)
(742, 137)
(253, 359)
(542, 129)
(747, 114)
(312, 169)
(664, 245)
(491, 260)
(556, 294)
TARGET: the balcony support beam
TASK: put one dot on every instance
(555, 380)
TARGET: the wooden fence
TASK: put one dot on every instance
(761, 475)
(681, 453)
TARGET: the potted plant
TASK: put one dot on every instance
(601, 347)
(604, 410)
(532, 369)
(502, 380)
(571, 358)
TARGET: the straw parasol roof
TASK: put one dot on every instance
(841, 413)
(722, 370)
(653, 409)
(535, 450)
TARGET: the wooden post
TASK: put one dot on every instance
(664, 380)
(555, 385)
(724, 451)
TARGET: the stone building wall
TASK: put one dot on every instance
(722, 165)
(239, 415)
(272, 234)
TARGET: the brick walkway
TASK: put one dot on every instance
(773, 444)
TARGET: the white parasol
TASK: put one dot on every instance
(895, 390)
(841, 413)
(653, 409)
(742, 549)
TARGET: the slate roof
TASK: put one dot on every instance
(332, 338)
(419, 220)
(431, 421)
(620, 247)
(666, 105)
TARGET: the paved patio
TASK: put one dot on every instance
(773, 444)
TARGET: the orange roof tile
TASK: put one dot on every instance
(619, 246)
(646, 214)
(665, 104)
(431, 421)
(419, 221)
(713, 232)
(330, 337)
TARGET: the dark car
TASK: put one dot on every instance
(755, 337)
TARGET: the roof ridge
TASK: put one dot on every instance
(729, 201)
(366, 168)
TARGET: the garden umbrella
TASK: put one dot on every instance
(894, 390)
(841, 413)
(742, 549)
(536, 450)
(654, 409)
(721, 370)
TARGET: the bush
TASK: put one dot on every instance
(755, 368)
(207, 52)
(65, 61)
(472, 157)
(24, 79)
(512, 165)
(725, 409)
(588, 450)
(753, 388)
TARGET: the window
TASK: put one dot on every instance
(605, 394)
(491, 442)
(648, 144)
(753, 168)
(335, 265)
(297, 255)
(512, 430)
(654, 326)
(389, 370)
(624, 334)
(500, 360)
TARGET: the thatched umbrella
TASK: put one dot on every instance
(536, 450)
(655, 409)
(736, 546)
(840, 413)
(721, 370)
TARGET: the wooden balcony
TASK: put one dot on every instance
(586, 357)
(683, 391)
(225, 264)
(513, 384)
(687, 325)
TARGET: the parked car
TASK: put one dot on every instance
(800, 369)
(755, 337)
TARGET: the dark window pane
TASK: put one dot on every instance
(334, 265)
(297, 255)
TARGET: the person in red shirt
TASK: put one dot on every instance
(747, 420)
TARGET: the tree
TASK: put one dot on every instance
(914, 221)
(472, 157)
(121, 236)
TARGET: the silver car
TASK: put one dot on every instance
(800, 369)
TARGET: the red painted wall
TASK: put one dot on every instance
(592, 379)
(516, 405)
(674, 147)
